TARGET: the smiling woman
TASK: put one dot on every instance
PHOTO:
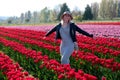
(16, 7)
(66, 31)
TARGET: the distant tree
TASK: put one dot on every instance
(95, 10)
(15, 20)
(27, 20)
(110, 7)
(52, 16)
(28, 16)
(63, 8)
(77, 15)
(44, 15)
(103, 9)
(88, 13)
(118, 8)
(56, 11)
(22, 18)
(9, 21)
(35, 17)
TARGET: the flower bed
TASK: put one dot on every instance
(97, 58)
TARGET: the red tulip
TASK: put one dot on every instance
(103, 78)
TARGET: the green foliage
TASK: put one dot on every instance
(2, 76)
(93, 69)
(64, 8)
(78, 18)
(9, 21)
(27, 20)
(29, 65)
(109, 9)
(88, 13)
(44, 15)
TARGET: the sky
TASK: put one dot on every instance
(16, 7)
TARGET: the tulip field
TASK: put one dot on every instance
(26, 55)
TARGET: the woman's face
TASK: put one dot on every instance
(66, 18)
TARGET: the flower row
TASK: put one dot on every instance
(12, 70)
(92, 42)
(109, 63)
(62, 70)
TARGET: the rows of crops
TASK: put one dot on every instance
(31, 57)
(108, 30)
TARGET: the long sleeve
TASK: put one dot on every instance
(83, 32)
(51, 31)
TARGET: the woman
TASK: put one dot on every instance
(66, 31)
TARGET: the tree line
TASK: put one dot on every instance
(107, 9)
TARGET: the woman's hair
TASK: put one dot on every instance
(66, 12)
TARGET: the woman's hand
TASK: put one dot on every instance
(44, 37)
(91, 35)
(76, 48)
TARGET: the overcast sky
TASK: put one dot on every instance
(16, 7)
